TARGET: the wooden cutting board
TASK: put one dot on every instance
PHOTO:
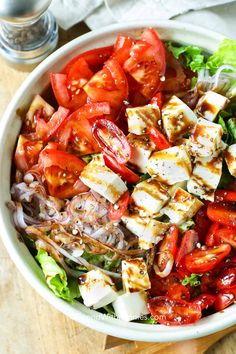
(28, 324)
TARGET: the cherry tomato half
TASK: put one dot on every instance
(188, 243)
(227, 279)
(173, 312)
(112, 140)
(204, 260)
(226, 235)
(224, 195)
(224, 299)
(210, 237)
(223, 213)
(125, 173)
(158, 138)
(117, 210)
(204, 300)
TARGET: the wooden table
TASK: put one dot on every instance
(28, 324)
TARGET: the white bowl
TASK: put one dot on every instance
(10, 127)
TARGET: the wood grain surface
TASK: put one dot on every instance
(28, 324)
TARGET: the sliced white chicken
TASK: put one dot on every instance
(131, 306)
(141, 118)
(141, 148)
(135, 275)
(183, 206)
(206, 138)
(103, 180)
(178, 119)
(97, 289)
(230, 158)
(210, 105)
(170, 165)
(205, 177)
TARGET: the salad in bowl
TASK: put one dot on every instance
(123, 183)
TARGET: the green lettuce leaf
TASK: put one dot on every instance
(227, 120)
(224, 55)
(102, 261)
(56, 278)
(192, 55)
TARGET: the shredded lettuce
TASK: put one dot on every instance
(102, 261)
(89, 157)
(144, 177)
(227, 120)
(224, 55)
(56, 278)
(193, 280)
(192, 55)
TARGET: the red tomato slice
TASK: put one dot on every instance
(227, 279)
(224, 213)
(46, 131)
(158, 99)
(110, 85)
(204, 260)
(52, 157)
(27, 153)
(158, 138)
(78, 75)
(210, 237)
(160, 286)
(65, 98)
(117, 210)
(188, 243)
(178, 292)
(125, 173)
(95, 58)
(204, 300)
(77, 128)
(224, 195)
(164, 259)
(172, 312)
(202, 223)
(112, 140)
(224, 299)
(227, 235)
(63, 183)
(122, 48)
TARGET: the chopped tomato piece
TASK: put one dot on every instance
(224, 299)
(210, 237)
(204, 300)
(165, 256)
(158, 138)
(117, 210)
(63, 183)
(112, 140)
(204, 260)
(65, 98)
(122, 48)
(160, 286)
(224, 195)
(27, 153)
(202, 223)
(125, 173)
(179, 292)
(95, 58)
(110, 85)
(188, 243)
(173, 312)
(223, 213)
(46, 131)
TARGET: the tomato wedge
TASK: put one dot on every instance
(95, 58)
(226, 235)
(122, 48)
(158, 138)
(63, 183)
(65, 98)
(224, 195)
(164, 259)
(125, 173)
(188, 243)
(46, 131)
(27, 153)
(158, 99)
(204, 260)
(223, 213)
(110, 85)
(204, 300)
(173, 312)
(112, 140)
(117, 210)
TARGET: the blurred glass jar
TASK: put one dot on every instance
(28, 32)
